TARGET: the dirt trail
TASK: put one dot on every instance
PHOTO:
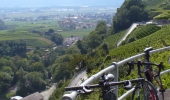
(48, 92)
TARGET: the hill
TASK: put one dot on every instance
(100, 55)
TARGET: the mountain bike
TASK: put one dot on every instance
(149, 73)
(107, 92)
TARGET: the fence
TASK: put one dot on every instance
(113, 68)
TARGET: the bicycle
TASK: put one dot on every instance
(106, 83)
(148, 71)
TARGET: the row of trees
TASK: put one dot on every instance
(28, 72)
(12, 48)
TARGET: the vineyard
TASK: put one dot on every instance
(142, 31)
(160, 38)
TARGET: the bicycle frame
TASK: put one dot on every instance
(158, 82)
(149, 69)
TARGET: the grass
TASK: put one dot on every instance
(156, 6)
(18, 30)
(113, 39)
(7, 95)
(77, 32)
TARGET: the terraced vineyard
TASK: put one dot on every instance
(142, 31)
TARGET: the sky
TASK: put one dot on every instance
(9, 3)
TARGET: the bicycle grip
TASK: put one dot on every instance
(74, 88)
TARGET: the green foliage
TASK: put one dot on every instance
(94, 40)
(41, 43)
(164, 16)
(152, 3)
(51, 30)
(73, 50)
(79, 44)
(2, 25)
(38, 67)
(141, 32)
(101, 28)
(57, 94)
(158, 39)
(60, 68)
(10, 94)
(57, 38)
(6, 80)
(166, 7)
(12, 48)
(30, 83)
(113, 39)
(96, 37)
(78, 62)
(131, 11)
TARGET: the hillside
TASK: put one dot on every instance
(158, 9)
(158, 39)
(140, 32)
(101, 51)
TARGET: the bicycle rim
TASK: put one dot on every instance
(151, 93)
(145, 92)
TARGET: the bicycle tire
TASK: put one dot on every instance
(147, 89)
(110, 96)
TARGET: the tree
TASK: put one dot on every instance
(2, 25)
(38, 67)
(5, 81)
(131, 11)
(94, 40)
(101, 27)
(24, 63)
(51, 30)
(30, 83)
(78, 61)
(81, 46)
(57, 38)
(73, 50)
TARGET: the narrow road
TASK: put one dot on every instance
(48, 92)
(78, 79)
(133, 26)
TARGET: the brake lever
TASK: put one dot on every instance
(85, 91)
(127, 85)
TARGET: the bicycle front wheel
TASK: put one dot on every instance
(145, 91)
(110, 96)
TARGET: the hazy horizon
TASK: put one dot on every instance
(28, 3)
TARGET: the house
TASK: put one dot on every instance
(34, 96)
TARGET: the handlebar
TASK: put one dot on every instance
(139, 64)
(76, 88)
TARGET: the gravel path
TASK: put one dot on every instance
(78, 79)
(133, 26)
(48, 92)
